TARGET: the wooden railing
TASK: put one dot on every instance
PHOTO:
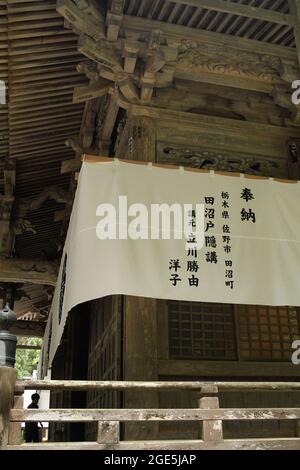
(208, 412)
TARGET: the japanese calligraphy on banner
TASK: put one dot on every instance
(247, 250)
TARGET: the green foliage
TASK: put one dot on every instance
(27, 359)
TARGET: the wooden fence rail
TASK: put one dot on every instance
(208, 413)
(189, 414)
(205, 386)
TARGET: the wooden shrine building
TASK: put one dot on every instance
(201, 83)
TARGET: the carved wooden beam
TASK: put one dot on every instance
(175, 34)
(22, 270)
(147, 85)
(154, 63)
(130, 55)
(91, 7)
(243, 64)
(89, 69)
(283, 100)
(81, 19)
(128, 88)
(28, 328)
(108, 56)
(91, 91)
(114, 19)
(248, 11)
(100, 51)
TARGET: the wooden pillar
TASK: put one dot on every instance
(7, 387)
(142, 138)
(140, 361)
(141, 343)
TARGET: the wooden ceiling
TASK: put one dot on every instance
(38, 59)
(211, 15)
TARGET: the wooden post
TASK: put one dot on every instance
(141, 335)
(15, 429)
(7, 387)
(140, 362)
(212, 430)
(108, 432)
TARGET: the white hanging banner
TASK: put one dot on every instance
(178, 234)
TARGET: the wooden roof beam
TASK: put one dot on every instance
(248, 11)
(174, 33)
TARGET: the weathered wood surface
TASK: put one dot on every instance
(159, 386)
(108, 432)
(230, 444)
(212, 430)
(87, 415)
(7, 385)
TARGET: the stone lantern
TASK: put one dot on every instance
(8, 341)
